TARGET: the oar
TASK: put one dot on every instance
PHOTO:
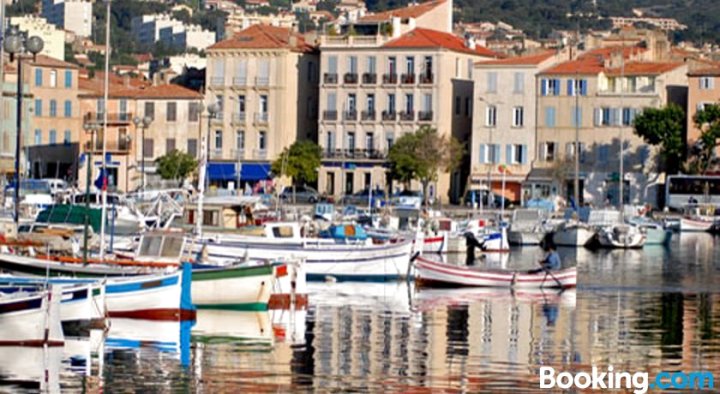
(412, 261)
(547, 272)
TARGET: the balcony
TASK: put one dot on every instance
(425, 116)
(389, 116)
(239, 81)
(261, 117)
(350, 78)
(330, 115)
(260, 154)
(262, 81)
(112, 118)
(238, 154)
(426, 79)
(369, 79)
(330, 79)
(219, 118)
(367, 115)
(217, 81)
(122, 146)
(350, 115)
(407, 116)
(389, 79)
(239, 117)
(368, 154)
(408, 79)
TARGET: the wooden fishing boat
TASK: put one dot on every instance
(31, 319)
(428, 272)
(235, 287)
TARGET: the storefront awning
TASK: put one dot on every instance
(249, 172)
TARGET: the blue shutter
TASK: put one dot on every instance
(578, 116)
(38, 107)
(524, 154)
(483, 153)
(614, 116)
(68, 79)
(557, 87)
(543, 87)
(550, 116)
(583, 87)
(569, 87)
(508, 153)
(38, 77)
(497, 154)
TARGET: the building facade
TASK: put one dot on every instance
(8, 124)
(375, 88)
(703, 89)
(265, 81)
(73, 15)
(597, 96)
(504, 123)
(53, 38)
(150, 29)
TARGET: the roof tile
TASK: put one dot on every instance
(411, 11)
(426, 38)
(264, 37)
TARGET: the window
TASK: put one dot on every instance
(171, 112)
(352, 64)
(68, 109)
(707, 83)
(491, 82)
(218, 139)
(370, 103)
(491, 116)
(428, 66)
(38, 77)
(263, 104)
(68, 79)
(550, 87)
(549, 116)
(332, 64)
(371, 65)
(330, 141)
(570, 152)
(350, 140)
(262, 140)
(519, 83)
(470, 69)
(150, 110)
(369, 141)
(331, 101)
(169, 145)
(53, 78)
(489, 153)
(518, 117)
(628, 116)
(192, 147)
(389, 139)
(193, 112)
(392, 65)
(409, 103)
(516, 154)
(100, 105)
(240, 140)
(468, 111)
(220, 101)
(53, 108)
(547, 151)
(410, 65)
(148, 147)
(457, 105)
(123, 110)
(427, 102)
(606, 116)
(38, 107)
(577, 85)
(391, 103)
(352, 102)
(576, 117)
(67, 137)
(53, 136)
(38, 136)
(241, 103)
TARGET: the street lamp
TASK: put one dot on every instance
(17, 43)
(128, 139)
(91, 128)
(144, 123)
(212, 110)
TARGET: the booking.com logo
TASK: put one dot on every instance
(639, 382)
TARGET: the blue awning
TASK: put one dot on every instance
(255, 172)
(249, 172)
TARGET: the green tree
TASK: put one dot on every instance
(422, 155)
(176, 165)
(300, 162)
(664, 127)
(708, 121)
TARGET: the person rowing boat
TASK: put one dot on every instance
(551, 262)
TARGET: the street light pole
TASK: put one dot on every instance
(91, 128)
(143, 124)
(204, 157)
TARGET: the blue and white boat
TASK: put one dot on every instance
(655, 233)
(31, 318)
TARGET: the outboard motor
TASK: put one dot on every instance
(472, 243)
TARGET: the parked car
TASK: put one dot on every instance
(303, 194)
(361, 198)
(496, 201)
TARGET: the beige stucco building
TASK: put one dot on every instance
(703, 89)
(265, 80)
(53, 38)
(598, 95)
(504, 122)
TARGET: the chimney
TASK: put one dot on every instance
(470, 41)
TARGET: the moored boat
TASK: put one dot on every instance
(527, 227)
(233, 287)
(699, 218)
(31, 319)
(655, 233)
(621, 236)
(428, 272)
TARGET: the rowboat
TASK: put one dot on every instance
(428, 272)
(31, 319)
(235, 287)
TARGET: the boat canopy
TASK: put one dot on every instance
(71, 214)
(345, 231)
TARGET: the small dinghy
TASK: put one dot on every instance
(428, 272)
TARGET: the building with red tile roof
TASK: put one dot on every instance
(421, 38)
(265, 37)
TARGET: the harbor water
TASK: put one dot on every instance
(653, 309)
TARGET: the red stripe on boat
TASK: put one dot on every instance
(156, 314)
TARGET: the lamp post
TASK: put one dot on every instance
(91, 128)
(128, 139)
(17, 44)
(144, 123)
(212, 110)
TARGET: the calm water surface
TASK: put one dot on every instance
(652, 309)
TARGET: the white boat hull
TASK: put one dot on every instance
(33, 320)
(152, 297)
(237, 288)
(528, 237)
(694, 225)
(83, 304)
(233, 325)
(573, 236)
(621, 237)
(428, 271)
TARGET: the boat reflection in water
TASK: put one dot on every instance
(31, 369)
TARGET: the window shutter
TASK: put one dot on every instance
(615, 116)
(524, 154)
(583, 87)
(557, 87)
(597, 118)
(543, 151)
(496, 159)
(483, 153)
(569, 149)
(711, 82)
(543, 87)
(509, 154)
(570, 87)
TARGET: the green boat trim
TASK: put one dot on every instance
(229, 273)
(248, 306)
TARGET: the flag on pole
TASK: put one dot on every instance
(102, 181)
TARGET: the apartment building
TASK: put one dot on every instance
(55, 118)
(53, 38)
(8, 123)
(376, 88)
(72, 15)
(433, 14)
(703, 89)
(504, 122)
(598, 95)
(150, 29)
(265, 81)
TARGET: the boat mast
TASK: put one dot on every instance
(622, 134)
(105, 124)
